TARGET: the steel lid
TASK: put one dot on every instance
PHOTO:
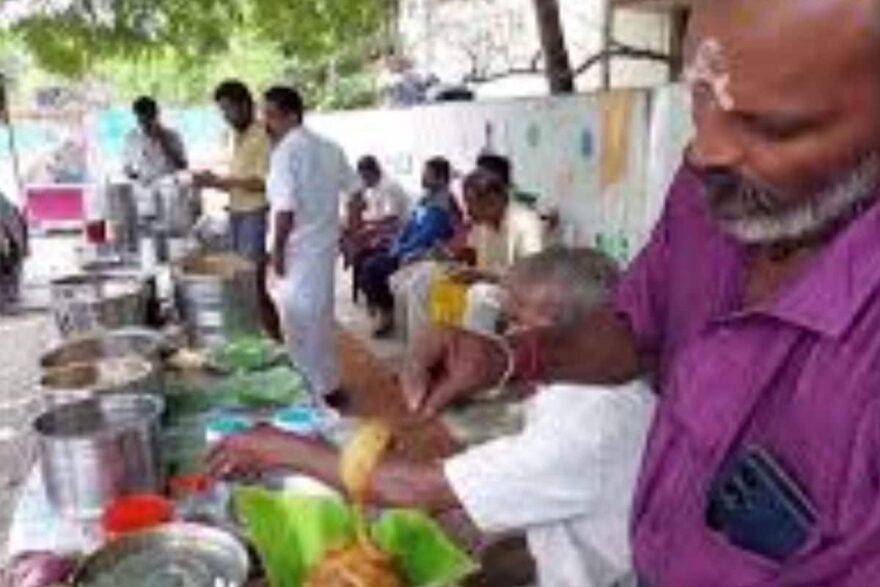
(174, 555)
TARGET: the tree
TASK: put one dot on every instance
(560, 75)
(179, 46)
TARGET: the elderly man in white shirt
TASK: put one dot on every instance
(567, 479)
(307, 175)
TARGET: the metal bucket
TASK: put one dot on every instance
(94, 451)
(123, 218)
(85, 303)
(140, 342)
(217, 297)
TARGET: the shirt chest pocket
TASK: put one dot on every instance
(721, 377)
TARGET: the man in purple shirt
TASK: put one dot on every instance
(755, 308)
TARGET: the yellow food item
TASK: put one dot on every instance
(363, 564)
(360, 456)
(356, 566)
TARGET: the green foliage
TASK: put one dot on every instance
(177, 49)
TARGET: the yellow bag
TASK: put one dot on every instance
(447, 301)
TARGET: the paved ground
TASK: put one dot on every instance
(22, 340)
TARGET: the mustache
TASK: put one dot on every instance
(755, 212)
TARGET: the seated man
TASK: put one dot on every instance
(373, 215)
(502, 231)
(567, 479)
(429, 224)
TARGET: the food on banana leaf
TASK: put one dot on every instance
(364, 564)
(246, 353)
(356, 566)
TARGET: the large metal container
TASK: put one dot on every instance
(93, 451)
(141, 342)
(110, 375)
(85, 303)
(217, 297)
(188, 555)
(122, 217)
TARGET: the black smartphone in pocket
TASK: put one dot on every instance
(758, 507)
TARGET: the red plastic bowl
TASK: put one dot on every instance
(136, 512)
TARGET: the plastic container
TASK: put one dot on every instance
(134, 513)
(447, 301)
(301, 420)
(223, 426)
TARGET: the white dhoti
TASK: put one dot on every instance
(305, 301)
(412, 287)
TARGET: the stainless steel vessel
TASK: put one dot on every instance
(217, 297)
(185, 555)
(95, 450)
(141, 342)
(122, 217)
(111, 375)
(87, 302)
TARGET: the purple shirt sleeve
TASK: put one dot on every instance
(642, 296)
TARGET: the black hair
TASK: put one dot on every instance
(441, 168)
(497, 164)
(482, 183)
(286, 98)
(368, 163)
(234, 91)
(145, 107)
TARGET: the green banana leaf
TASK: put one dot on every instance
(276, 387)
(246, 353)
(293, 532)
(425, 555)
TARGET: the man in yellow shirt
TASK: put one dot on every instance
(245, 183)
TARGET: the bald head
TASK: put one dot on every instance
(786, 98)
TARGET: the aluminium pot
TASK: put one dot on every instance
(96, 450)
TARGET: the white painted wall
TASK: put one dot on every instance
(453, 38)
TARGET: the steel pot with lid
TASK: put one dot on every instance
(95, 450)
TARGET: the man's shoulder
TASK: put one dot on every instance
(564, 398)
(134, 135)
(523, 213)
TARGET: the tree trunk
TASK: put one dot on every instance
(556, 61)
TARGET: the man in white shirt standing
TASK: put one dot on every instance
(307, 175)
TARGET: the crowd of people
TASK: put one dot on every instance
(705, 417)
(294, 201)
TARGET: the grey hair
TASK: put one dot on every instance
(583, 278)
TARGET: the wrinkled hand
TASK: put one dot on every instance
(450, 363)
(256, 451)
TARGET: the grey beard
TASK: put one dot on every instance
(751, 215)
